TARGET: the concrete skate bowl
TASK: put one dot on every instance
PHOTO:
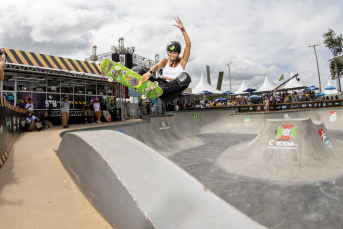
(133, 186)
(197, 141)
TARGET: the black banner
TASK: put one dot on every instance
(12, 123)
(291, 106)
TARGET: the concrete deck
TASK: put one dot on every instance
(36, 191)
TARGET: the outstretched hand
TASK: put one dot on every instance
(179, 23)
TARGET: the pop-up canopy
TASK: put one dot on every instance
(266, 86)
(242, 88)
(204, 86)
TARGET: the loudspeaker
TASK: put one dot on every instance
(128, 60)
(115, 57)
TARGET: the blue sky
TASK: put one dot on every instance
(260, 37)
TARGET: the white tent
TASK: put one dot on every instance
(242, 88)
(266, 86)
(331, 92)
(293, 83)
(204, 86)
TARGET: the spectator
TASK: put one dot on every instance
(30, 121)
(44, 120)
(274, 103)
(277, 98)
(267, 104)
(65, 104)
(87, 112)
(30, 106)
(97, 110)
(2, 63)
(153, 108)
(17, 106)
(33, 123)
(104, 109)
(148, 108)
(112, 108)
(177, 107)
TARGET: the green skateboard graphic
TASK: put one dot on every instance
(121, 74)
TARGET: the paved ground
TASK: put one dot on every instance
(35, 190)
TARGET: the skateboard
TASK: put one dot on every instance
(122, 74)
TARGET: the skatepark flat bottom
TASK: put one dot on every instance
(273, 204)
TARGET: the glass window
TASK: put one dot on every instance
(110, 89)
(24, 82)
(91, 88)
(67, 86)
(39, 83)
(54, 84)
(79, 87)
(101, 89)
(9, 82)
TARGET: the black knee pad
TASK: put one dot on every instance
(183, 79)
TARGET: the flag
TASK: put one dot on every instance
(281, 78)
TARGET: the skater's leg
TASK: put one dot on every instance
(182, 81)
(172, 90)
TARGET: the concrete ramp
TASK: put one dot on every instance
(287, 150)
(133, 186)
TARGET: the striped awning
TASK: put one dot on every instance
(48, 61)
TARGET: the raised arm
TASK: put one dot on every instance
(187, 51)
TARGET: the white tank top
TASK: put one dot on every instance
(172, 73)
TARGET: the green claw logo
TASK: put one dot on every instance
(197, 118)
(172, 48)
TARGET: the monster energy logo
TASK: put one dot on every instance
(197, 118)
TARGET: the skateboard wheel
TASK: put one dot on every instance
(152, 87)
(110, 80)
(143, 97)
(117, 68)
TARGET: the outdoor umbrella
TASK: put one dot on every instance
(329, 88)
(320, 94)
(205, 92)
(254, 97)
(228, 93)
(312, 88)
(250, 90)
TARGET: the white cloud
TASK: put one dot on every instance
(260, 37)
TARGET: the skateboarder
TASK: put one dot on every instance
(174, 80)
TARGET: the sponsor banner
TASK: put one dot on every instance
(333, 116)
(164, 126)
(196, 117)
(325, 139)
(254, 140)
(286, 132)
(12, 123)
(285, 138)
(247, 119)
(292, 106)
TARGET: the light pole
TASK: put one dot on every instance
(228, 64)
(314, 46)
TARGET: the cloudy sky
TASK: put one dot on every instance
(262, 38)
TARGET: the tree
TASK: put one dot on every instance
(335, 44)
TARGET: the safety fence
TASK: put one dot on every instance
(290, 106)
(12, 124)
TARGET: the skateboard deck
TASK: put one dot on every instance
(122, 74)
